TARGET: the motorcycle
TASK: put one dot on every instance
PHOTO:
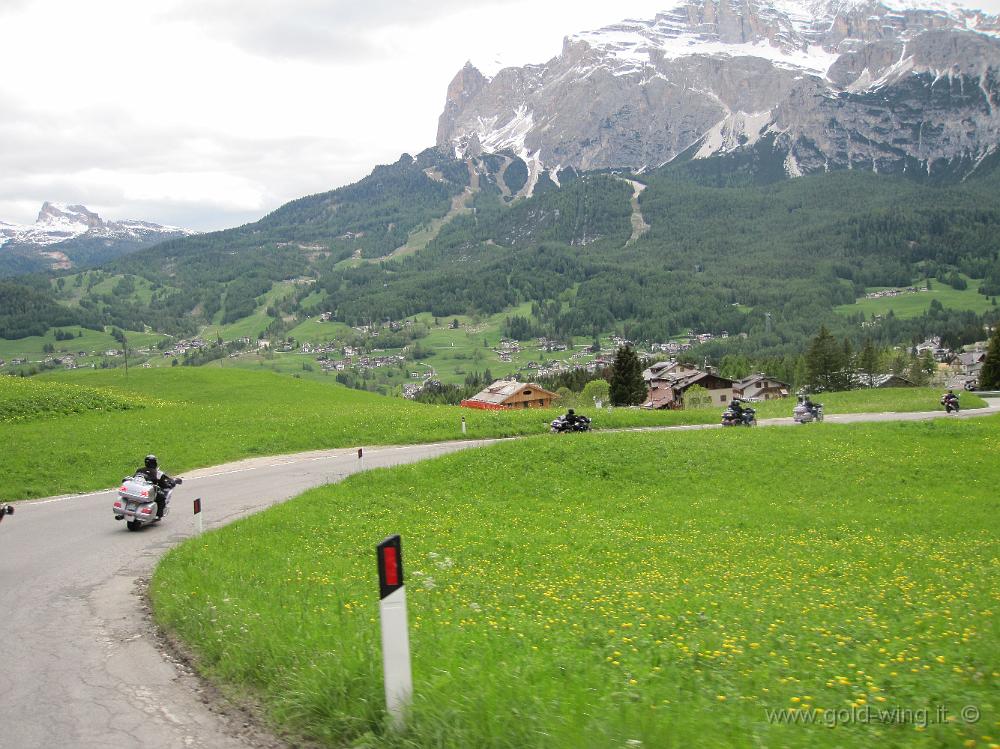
(802, 414)
(560, 425)
(6, 510)
(136, 501)
(731, 419)
(950, 403)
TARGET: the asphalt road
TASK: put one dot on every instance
(82, 664)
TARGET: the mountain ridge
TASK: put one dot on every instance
(866, 83)
(72, 236)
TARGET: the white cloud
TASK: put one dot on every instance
(213, 112)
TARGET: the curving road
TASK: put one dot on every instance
(83, 666)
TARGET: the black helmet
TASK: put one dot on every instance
(570, 412)
(150, 462)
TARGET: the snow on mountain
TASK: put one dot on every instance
(57, 222)
(836, 83)
(65, 236)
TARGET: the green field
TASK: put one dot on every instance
(913, 305)
(456, 352)
(71, 293)
(203, 416)
(315, 331)
(627, 590)
(24, 399)
(92, 342)
(252, 325)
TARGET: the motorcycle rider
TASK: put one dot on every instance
(810, 406)
(151, 472)
(736, 406)
(570, 418)
(949, 399)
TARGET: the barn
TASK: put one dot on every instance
(509, 394)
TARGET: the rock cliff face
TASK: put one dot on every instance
(821, 85)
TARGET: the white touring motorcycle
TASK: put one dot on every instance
(802, 414)
(136, 501)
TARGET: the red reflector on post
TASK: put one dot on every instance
(197, 506)
(390, 566)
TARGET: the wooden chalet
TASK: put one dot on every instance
(668, 391)
(507, 394)
(760, 387)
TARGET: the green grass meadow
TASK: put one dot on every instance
(23, 400)
(94, 343)
(670, 589)
(906, 306)
(202, 416)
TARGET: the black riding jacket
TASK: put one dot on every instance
(158, 478)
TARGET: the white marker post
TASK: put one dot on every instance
(198, 527)
(395, 633)
(463, 425)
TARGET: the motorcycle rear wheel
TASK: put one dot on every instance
(134, 525)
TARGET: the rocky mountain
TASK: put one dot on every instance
(72, 236)
(899, 86)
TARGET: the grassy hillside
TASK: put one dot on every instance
(715, 588)
(422, 236)
(92, 342)
(193, 417)
(906, 306)
(24, 399)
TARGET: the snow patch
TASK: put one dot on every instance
(58, 222)
(792, 166)
(738, 130)
(510, 135)
(631, 49)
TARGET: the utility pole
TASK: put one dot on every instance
(767, 323)
(125, 348)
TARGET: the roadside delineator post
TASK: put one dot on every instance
(361, 458)
(463, 425)
(395, 632)
(198, 527)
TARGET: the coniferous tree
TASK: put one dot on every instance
(847, 374)
(868, 363)
(989, 377)
(627, 386)
(824, 362)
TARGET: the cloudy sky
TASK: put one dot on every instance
(211, 113)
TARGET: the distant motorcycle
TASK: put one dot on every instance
(6, 510)
(950, 402)
(802, 414)
(731, 418)
(560, 424)
(136, 501)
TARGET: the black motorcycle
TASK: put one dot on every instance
(579, 424)
(950, 402)
(731, 418)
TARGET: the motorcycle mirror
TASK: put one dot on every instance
(179, 481)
